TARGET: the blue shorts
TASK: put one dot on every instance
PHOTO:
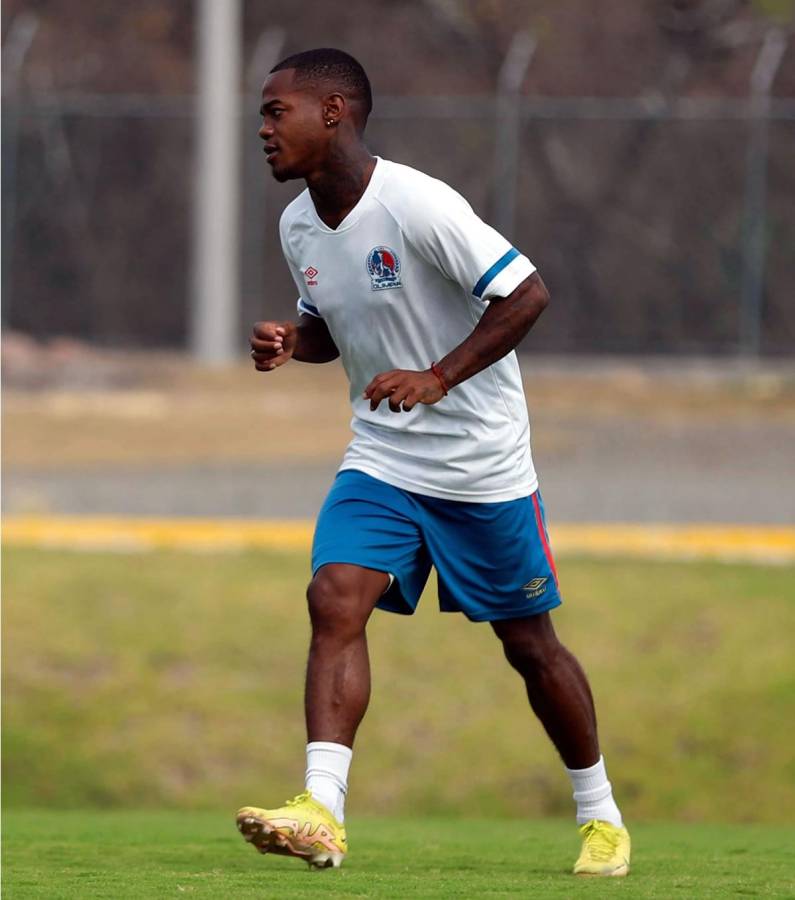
(492, 559)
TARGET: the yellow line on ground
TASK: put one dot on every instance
(127, 533)
(751, 543)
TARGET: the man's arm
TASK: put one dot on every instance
(274, 343)
(501, 327)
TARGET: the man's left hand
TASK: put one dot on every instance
(404, 389)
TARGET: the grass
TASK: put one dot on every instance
(137, 855)
(172, 679)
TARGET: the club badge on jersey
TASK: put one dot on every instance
(383, 265)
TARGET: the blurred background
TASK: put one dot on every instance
(640, 152)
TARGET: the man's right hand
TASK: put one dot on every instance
(272, 344)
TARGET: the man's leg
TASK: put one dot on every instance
(561, 698)
(341, 598)
(556, 686)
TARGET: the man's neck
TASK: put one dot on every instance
(339, 186)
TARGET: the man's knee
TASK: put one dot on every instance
(530, 650)
(337, 601)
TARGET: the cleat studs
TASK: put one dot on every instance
(326, 861)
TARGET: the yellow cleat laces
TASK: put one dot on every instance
(605, 850)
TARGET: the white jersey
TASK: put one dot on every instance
(399, 283)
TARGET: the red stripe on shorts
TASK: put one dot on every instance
(543, 534)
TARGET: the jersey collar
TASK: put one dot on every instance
(355, 214)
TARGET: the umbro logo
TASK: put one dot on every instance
(535, 587)
(310, 272)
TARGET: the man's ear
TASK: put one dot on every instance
(333, 107)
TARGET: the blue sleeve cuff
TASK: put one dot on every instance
(490, 274)
(304, 307)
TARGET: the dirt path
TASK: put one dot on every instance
(613, 440)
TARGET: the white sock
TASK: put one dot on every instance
(594, 795)
(327, 767)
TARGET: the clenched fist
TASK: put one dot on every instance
(272, 344)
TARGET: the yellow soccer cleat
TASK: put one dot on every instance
(605, 850)
(302, 827)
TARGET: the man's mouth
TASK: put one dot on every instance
(270, 151)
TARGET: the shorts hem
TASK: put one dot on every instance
(406, 608)
(348, 562)
(501, 614)
(398, 611)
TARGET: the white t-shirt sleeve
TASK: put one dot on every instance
(303, 304)
(444, 228)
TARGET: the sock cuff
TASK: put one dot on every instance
(590, 779)
(327, 765)
(330, 747)
(594, 794)
(595, 769)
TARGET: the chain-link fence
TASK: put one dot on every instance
(658, 228)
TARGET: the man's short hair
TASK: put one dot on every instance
(334, 67)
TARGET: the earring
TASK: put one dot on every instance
(329, 123)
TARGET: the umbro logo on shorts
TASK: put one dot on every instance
(535, 587)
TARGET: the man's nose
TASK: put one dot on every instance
(265, 131)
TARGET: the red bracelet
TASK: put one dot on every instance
(438, 373)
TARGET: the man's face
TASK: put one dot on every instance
(293, 129)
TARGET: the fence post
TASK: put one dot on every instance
(754, 217)
(255, 289)
(507, 132)
(216, 264)
(17, 43)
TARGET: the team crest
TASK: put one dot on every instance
(384, 268)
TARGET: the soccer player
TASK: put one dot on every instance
(424, 303)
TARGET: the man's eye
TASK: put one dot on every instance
(277, 113)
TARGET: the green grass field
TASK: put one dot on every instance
(165, 688)
(174, 680)
(81, 855)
